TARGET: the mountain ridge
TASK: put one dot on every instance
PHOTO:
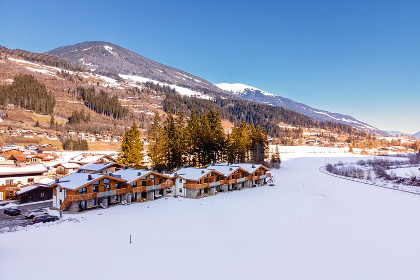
(109, 59)
(261, 96)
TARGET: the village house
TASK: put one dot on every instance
(12, 177)
(66, 168)
(86, 158)
(145, 185)
(103, 167)
(80, 191)
(196, 182)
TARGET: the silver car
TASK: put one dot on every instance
(34, 213)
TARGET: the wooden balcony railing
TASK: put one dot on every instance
(121, 191)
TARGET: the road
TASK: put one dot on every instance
(21, 220)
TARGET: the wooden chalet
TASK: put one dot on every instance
(196, 182)
(80, 191)
(34, 193)
(144, 185)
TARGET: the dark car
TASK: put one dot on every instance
(11, 211)
(45, 219)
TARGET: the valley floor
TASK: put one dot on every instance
(308, 226)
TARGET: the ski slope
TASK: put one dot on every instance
(309, 226)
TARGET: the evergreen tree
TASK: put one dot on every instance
(193, 139)
(131, 148)
(156, 139)
(275, 158)
(259, 145)
(52, 121)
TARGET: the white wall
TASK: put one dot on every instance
(59, 195)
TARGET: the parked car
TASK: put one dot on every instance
(11, 211)
(36, 212)
(45, 219)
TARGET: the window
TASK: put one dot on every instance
(180, 190)
(9, 182)
(134, 184)
(160, 181)
(108, 187)
(152, 176)
(95, 189)
(180, 180)
(82, 191)
(61, 202)
(96, 182)
(61, 190)
(42, 194)
(95, 202)
(143, 183)
(30, 180)
(106, 181)
(206, 180)
(118, 186)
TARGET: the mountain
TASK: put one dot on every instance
(416, 135)
(116, 62)
(107, 58)
(258, 95)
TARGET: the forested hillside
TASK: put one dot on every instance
(238, 110)
(28, 93)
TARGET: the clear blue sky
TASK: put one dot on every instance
(356, 57)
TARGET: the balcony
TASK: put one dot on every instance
(121, 191)
(80, 197)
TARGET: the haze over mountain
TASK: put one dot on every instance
(416, 135)
(117, 62)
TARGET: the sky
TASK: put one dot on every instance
(360, 57)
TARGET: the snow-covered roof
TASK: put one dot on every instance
(28, 169)
(250, 167)
(225, 169)
(30, 188)
(131, 174)
(69, 165)
(191, 173)
(96, 166)
(76, 180)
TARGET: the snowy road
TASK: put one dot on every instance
(309, 226)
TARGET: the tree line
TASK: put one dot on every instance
(264, 115)
(27, 92)
(200, 140)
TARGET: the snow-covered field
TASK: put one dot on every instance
(309, 226)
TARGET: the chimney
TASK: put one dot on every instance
(139, 173)
(202, 172)
(126, 167)
(89, 177)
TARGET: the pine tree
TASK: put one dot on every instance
(193, 139)
(259, 145)
(131, 148)
(275, 158)
(52, 121)
(156, 139)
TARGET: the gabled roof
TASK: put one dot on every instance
(30, 188)
(250, 167)
(191, 173)
(97, 167)
(89, 158)
(226, 169)
(9, 170)
(131, 174)
(77, 180)
(68, 165)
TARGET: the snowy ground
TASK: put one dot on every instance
(309, 226)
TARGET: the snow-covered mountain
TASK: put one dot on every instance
(258, 95)
(110, 60)
(416, 135)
